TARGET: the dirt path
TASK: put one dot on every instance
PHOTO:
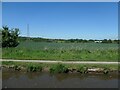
(65, 62)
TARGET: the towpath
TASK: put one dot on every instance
(64, 62)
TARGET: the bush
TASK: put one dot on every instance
(9, 37)
(58, 68)
(16, 67)
(33, 68)
(83, 69)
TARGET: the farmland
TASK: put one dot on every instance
(62, 51)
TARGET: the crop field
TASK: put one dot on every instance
(67, 46)
(63, 51)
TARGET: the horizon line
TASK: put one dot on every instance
(66, 38)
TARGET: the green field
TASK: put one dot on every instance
(63, 51)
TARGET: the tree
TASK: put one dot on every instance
(104, 41)
(10, 37)
(109, 41)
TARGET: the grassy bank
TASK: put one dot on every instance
(63, 51)
(59, 68)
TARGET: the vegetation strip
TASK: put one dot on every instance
(66, 62)
(60, 67)
(62, 51)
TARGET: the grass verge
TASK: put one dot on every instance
(60, 54)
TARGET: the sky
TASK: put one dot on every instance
(63, 20)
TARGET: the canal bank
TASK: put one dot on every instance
(60, 67)
(58, 75)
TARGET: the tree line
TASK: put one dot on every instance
(38, 39)
(11, 38)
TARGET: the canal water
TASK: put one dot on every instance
(17, 79)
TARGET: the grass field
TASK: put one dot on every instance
(63, 51)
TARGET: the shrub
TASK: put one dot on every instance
(16, 67)
(33, 68)
(82, 69)
(58, 68)
(9, 37)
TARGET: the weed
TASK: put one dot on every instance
(58, 68)
(34, 68)
(82, 69)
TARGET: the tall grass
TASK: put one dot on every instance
(58, 68)
(34, 68)
(63, 51)
(82, 69)
(67, 46)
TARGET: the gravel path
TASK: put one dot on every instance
(65, 62)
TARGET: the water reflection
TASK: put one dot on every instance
(16, 79)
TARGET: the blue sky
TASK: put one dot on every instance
(86, 20)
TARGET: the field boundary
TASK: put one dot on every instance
(64, 62)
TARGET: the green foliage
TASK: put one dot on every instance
(82, 69)
(34, 68)
(58, 68)
(10, 37)
(8, 63)
(38, 39)
(16, 67)
(106, 70)
(108, 41)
